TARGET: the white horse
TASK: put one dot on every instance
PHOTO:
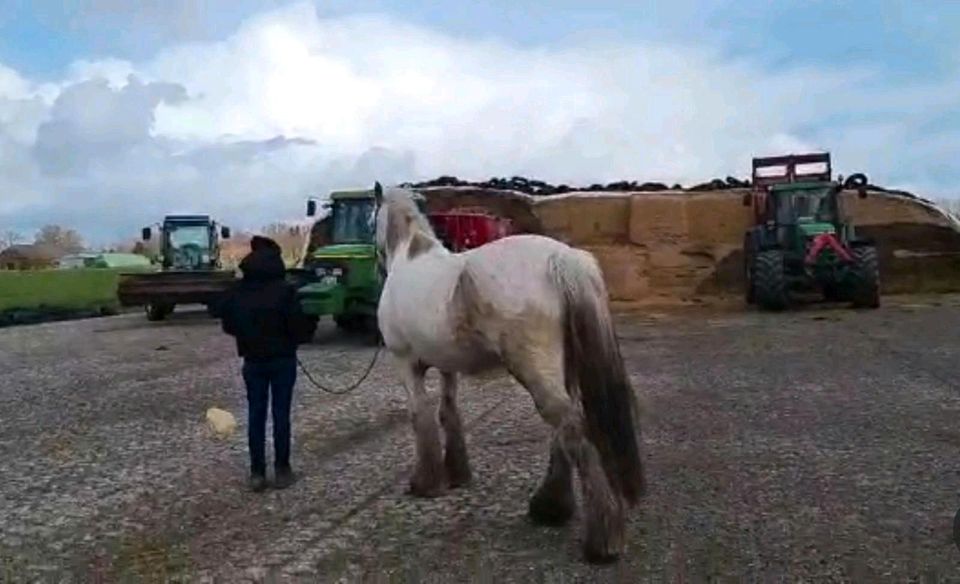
(537, 308)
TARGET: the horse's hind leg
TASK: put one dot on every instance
(455, 458)
(553, 504)
(603, 508)
(541, 372)
(428, 478)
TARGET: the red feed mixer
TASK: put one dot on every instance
(467, 228)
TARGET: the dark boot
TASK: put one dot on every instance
(258, 482)
(285, 477)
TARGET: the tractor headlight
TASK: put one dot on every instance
(337, 272)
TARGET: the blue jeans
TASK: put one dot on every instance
(271, 381)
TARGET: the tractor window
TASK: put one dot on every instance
(189, 235)
(353, 221)
(189, 245)
(805, 208)
(815, 207)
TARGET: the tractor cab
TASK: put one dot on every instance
(353, 219)
(805, 210)
(189, 242)
(806, 205)
(191, 273)
(350, 218)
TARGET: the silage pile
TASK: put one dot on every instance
(683, 245)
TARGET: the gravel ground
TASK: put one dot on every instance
(818, 444)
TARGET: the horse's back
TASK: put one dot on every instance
(462, 311)
(512, 274)
(519, 255)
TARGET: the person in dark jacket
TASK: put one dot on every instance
(262, 313)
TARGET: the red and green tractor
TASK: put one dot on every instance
(802, 240)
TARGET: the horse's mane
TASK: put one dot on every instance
(402, 208)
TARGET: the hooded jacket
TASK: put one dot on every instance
(261, 311)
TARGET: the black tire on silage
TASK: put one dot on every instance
(769, 280)
(865, 278)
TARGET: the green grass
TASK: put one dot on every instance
(59, 289)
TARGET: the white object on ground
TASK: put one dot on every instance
(221, 421)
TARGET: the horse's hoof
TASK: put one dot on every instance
(460, 482)
(553, 505)
(549, 512)
(601, 547)
(459, 477)
(425, 491)
(599, 556)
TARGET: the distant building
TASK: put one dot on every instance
(29, 256)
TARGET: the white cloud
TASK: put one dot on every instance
(114, 71)
(292, 105)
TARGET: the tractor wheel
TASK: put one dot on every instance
(157, 312)
(769, 280)
(347, 322)
(865, 280)
(832, 292)
(367, 325)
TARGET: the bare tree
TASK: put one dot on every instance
(234, 249)
(9, 238)
(290, 238)
(62, 239)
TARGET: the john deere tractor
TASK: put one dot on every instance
(801, 240)
(191, 268)
(339, 276)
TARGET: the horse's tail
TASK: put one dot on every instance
(594, 371)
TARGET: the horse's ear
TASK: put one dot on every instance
(378, 192)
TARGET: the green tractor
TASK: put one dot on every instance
(339, 275)
(191, 269)
(801, 239)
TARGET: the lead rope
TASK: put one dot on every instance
(351, 387)
(343, 391)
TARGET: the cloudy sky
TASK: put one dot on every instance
(111, 116)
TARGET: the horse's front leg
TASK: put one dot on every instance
(428, 478)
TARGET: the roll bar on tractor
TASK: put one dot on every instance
(797, 168)
(791, 172)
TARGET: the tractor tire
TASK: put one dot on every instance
(769, 280)
(373, 327)
(833, 293)
(346, 322)
(865, 284)
(158, 312)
